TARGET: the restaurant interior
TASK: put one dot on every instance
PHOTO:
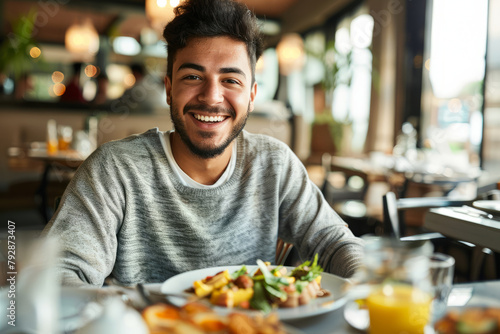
(376, 97)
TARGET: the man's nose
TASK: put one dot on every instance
(211, 93)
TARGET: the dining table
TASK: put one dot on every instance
(477, 293)
(465, 224)
(79, 307)
(334, 322)
(59, 162)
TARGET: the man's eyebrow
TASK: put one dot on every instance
(202, 69)
(232, 70)
(192, 66)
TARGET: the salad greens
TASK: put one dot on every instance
(307, 271)
(236, 274)
(269, 288)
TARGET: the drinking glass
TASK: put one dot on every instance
(441, 268)
(400, 294)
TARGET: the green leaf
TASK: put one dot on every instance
(259, 300)
(270, 278)
(238, 273)
(273, 283)
(307, 271)
(300, 286)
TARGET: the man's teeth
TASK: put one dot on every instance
(209, 118)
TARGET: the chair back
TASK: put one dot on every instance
(282, 251)
(392, 222)
(391, 215)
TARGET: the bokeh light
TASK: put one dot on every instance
(129, 80)
(59, 89)
(90, 71)
(35, 52)
(57, 77)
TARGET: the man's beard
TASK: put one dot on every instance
(205, 152)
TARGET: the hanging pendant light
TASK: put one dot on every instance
(82, 38)
(160, 12)
(291, 54)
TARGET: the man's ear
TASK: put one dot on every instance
(253, 93)
(168, 89)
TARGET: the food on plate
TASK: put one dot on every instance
(264, 289)
(196, 318)
(474, 320)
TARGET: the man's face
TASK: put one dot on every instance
(210, 93)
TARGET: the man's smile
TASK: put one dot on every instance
(210, 119)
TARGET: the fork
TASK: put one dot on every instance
(146, 295)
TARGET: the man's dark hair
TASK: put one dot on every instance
(211, 18)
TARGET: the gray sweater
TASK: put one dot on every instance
(125, 213)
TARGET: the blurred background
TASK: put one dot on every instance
(372, 95)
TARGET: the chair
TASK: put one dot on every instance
(286, 254)
(345, 190)
(394, 226)
(282, 251)
(393, 223)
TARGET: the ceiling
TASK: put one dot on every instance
(126, 17)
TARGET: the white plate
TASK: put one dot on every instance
(492, 207)
(334, 284)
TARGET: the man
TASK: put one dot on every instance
(146, 95)
(153, 205)
(74, 92)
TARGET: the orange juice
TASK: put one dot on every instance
(397, 309)
(63, 144)
(52, 146)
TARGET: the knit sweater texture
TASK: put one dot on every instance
(127, 215)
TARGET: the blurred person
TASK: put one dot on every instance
(102, 83)
(207, 193)
(144, 96)
(23, 87)
(74, 91)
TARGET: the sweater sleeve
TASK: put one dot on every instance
(87, 221)
(310, 223)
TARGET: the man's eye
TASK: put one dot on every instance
(192, 77)
(232, 81)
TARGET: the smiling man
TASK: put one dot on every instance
(214, 91)
(207, 193)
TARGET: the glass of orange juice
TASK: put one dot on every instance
(400, 293)
(65, 136)
(52, 143)
(398, 308)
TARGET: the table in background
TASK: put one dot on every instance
(62, 161)
(478, 230)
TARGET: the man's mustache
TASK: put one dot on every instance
(210, 109)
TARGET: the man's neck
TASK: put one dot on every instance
(204, 171)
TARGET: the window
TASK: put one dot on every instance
(453, 78)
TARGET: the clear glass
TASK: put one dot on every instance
(400, 293)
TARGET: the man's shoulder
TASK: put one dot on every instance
(265, 149)
(133, 146)
(262, 141)
(138, 139)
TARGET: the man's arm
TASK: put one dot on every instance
(87, 220)
(309, 222)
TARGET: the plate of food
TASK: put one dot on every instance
(291, 292)
(470, 320)
(480, 316)
(198, 318)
